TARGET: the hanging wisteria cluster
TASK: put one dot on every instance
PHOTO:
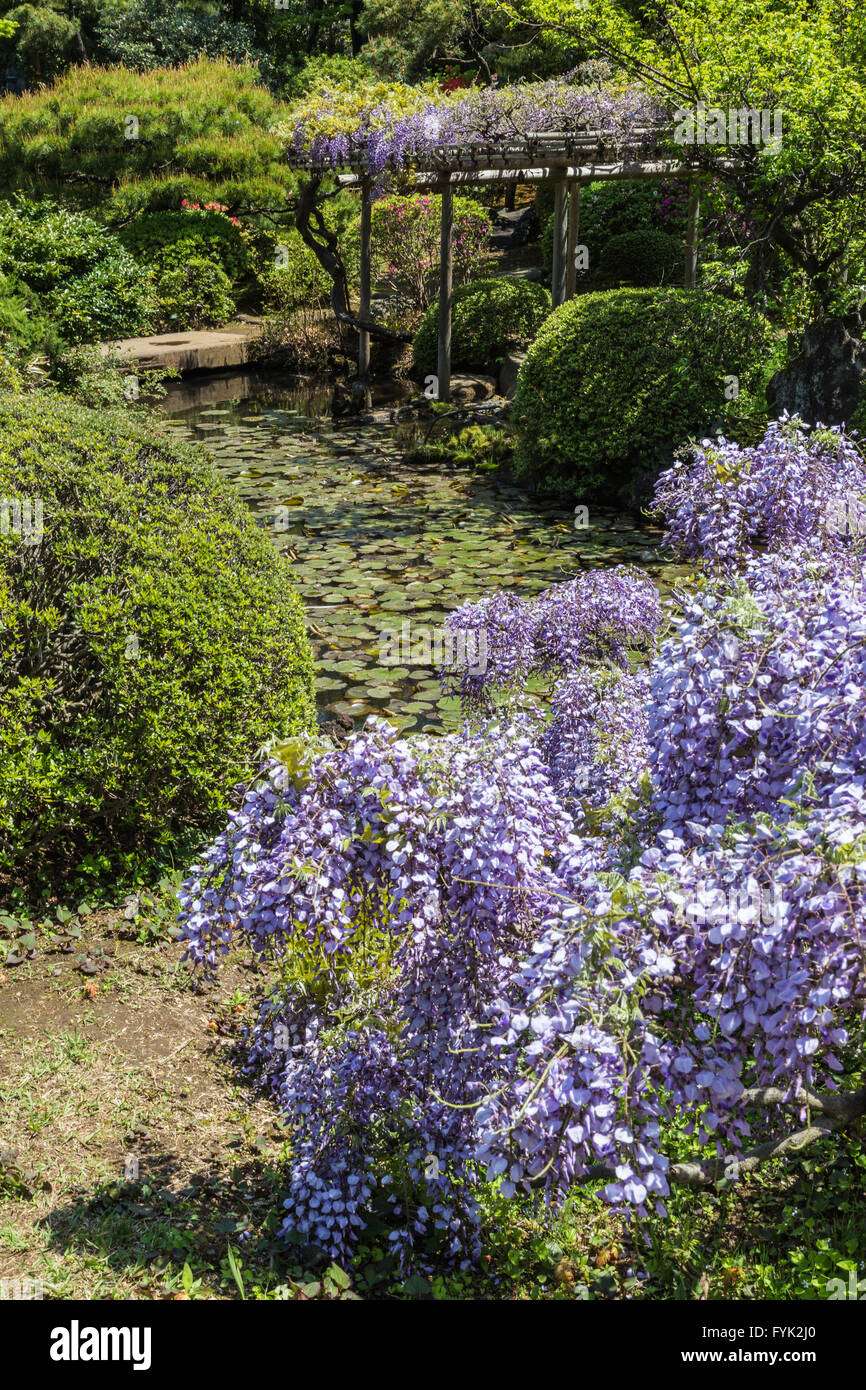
(517, 952)
(394, 127)
(597, 618)
(792, 489)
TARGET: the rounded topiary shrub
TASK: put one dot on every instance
(194, 294)
(642, 258)
(488, 319)
(615, 380)
(152, 641)
(164, 239)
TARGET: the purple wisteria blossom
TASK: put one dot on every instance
(518, 952)
(386, 137)
(723, 502)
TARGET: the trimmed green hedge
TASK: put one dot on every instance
(163, 240)
(642, 258)
(615, 380)
(152, 641)
(488, 319)
(194, 294)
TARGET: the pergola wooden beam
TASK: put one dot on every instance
(560, 243)
(364, 278)
(446, 277)
(547, 173)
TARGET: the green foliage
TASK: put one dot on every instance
(77, 270)
(806, 198)
(403, 34)
(168, 238)
(607, 209)
(615, 380)
(193, 294)
(297, 281)
(24, 327)
(149, 34)
(327, 70)
(42, 41)
(488, 319)
(153, 640)
(642, 258)
(204, 133)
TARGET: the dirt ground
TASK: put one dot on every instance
(129, 1146)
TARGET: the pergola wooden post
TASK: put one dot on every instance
(446, 277)
(364, 305)
(573, 234)
(560, 243)
(691, 276)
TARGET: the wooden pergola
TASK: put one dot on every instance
(566, 160)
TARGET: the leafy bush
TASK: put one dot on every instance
(642, 258)
(195, 293)
(152, 641)
(615, 380)
(488, 318)
(166, 239)
(607, 209)
(406, 243)
(84, 279)
(147, 35)
(24, 328)
(205, 132)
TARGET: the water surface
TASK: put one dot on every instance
(377, 543)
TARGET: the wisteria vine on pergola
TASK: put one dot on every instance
(556, 130)
(402, 128)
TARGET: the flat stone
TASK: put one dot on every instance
(472, 388)
(208, 349)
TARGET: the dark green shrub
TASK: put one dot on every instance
(152, 641)
(607, 209)
(24, 328)
(488, 319)
(615, 380)
(85, 280)
(642, 258)
(195, 294)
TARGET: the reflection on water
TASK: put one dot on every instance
(382, 549)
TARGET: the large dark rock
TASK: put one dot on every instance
(827, 381)
(514, 228)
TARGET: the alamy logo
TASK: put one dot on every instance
(22, 517)
(76, 1343)
(855, 1289)
(745, 125)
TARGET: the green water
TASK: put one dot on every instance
(376, 542)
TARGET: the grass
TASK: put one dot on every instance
(135, 1164)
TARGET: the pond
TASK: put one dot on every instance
(383, 550)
